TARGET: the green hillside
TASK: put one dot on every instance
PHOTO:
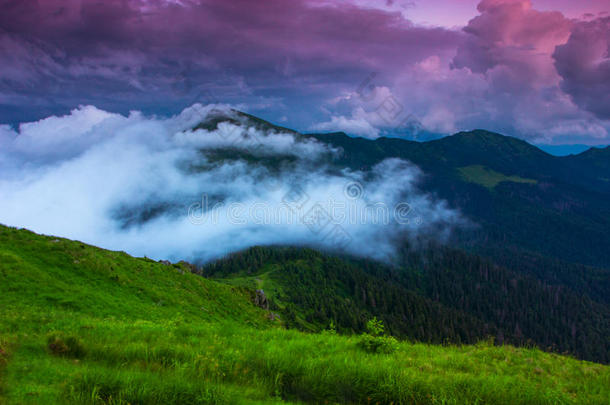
(80, 324)
(434, 295)
(554, 207)
(489, 178)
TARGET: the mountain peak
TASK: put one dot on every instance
(482, 141)
(492, 139)
(236, 117)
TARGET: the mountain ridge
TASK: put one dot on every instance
(262, 123)
(523, 200)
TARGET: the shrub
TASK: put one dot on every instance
(375, 327)
(65, 346)
(374, 341)
(378, 344)
(332, 329)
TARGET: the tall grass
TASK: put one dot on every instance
(227, 363)
(160, 335)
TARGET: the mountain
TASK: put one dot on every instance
(83, 325)
(523, 199)
(543, 215)
(595, 160)
(548, 216)
(216, 116)
(540, 222)
(504, 154)
(564, 150)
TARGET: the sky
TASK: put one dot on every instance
(538, 70)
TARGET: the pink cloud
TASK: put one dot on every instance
(510, 33)
(287, 57)
(584, 65)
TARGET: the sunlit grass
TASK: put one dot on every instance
(71, 333)
(489, 178)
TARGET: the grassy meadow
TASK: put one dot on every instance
(82, 325)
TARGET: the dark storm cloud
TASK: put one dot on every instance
(290, 61)
(121, 50)
(584, 65)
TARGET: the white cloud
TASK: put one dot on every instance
(354, 125)
(129, 183)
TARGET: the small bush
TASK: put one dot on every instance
(332, 329)
(378, 344)
(65, 346)
(375, 327)
(374, 341)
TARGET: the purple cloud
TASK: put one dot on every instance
(119, 53)
(289, 60)
(584, 65)
(513, 35)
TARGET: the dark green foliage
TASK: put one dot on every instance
(65, 346)
(378, 344)
(561, 211)
(139, 388)
(437, 295)
(4, 357)
(375, 327)
(317, 289)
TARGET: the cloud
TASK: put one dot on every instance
(498, 72)
(502, 77)
(512, 34)
(584, 65)
(360, 123)
(153, 186)
(154, 55)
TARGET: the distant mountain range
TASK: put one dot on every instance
(522, 197)
(565, 150)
